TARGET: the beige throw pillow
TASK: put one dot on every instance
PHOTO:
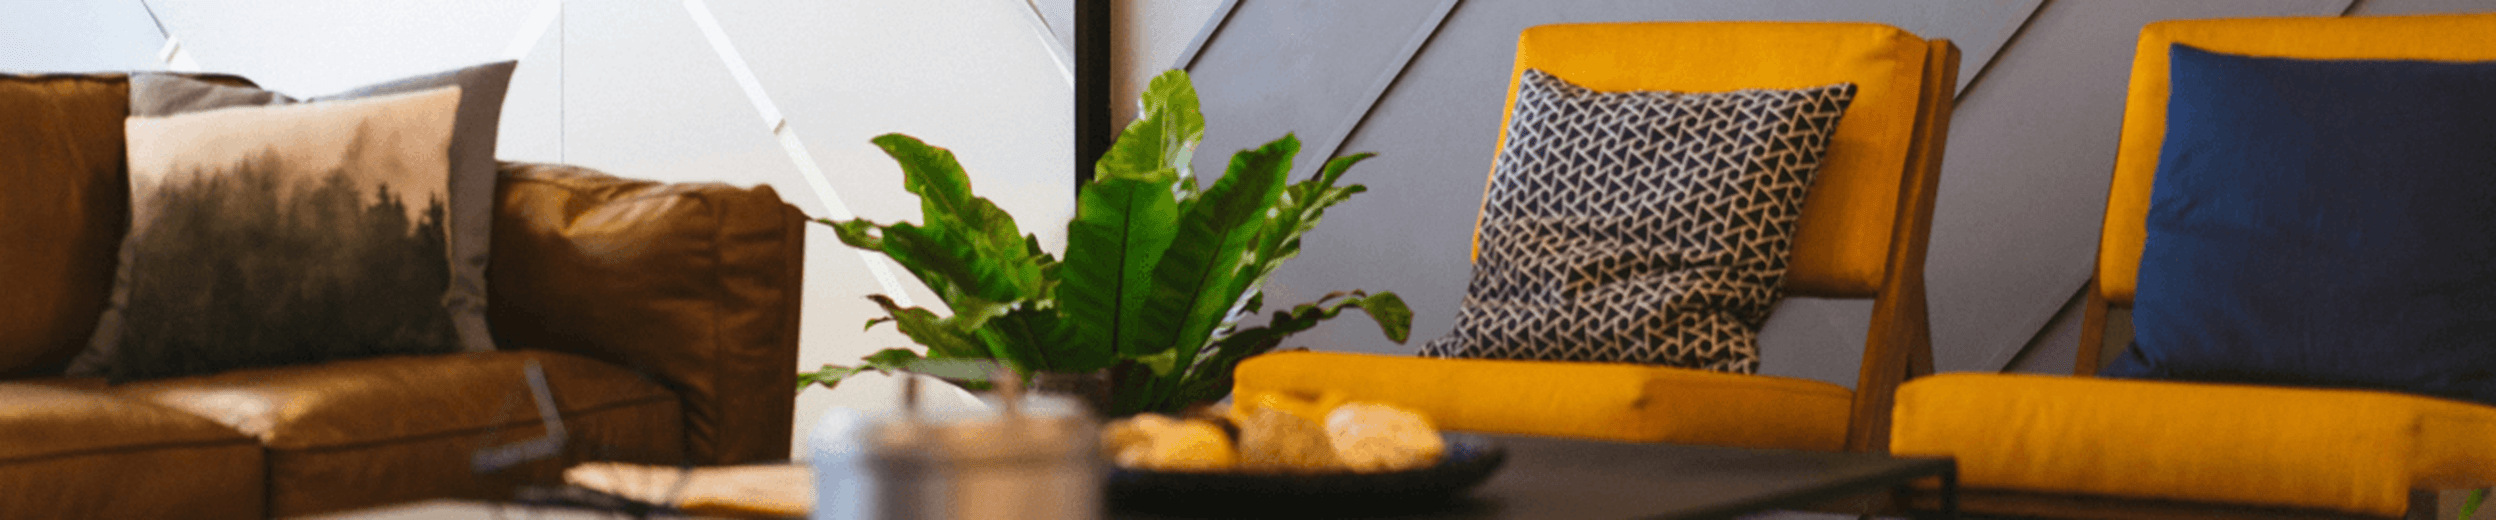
(285, 234)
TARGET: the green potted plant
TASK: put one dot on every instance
(1159, 277)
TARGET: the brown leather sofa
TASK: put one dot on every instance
(664, 317)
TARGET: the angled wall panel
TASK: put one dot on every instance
(645, 96)
(1296, 66)
(1435, 130)
(317, 47)
(2023, 187)
(2052, 350)
(2015, 225)
(967, 75)
(532, 128)
(2401, 7)
(312, 47)
(1152, 37)
(78, 36)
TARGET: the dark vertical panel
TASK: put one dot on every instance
(1092, 79)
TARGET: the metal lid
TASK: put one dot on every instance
(1013, 426)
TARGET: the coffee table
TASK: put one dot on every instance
(1568, 478)
(1542, 478)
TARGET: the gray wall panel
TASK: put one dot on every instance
(2024, 183)
(1435, 132)
(1298, 66)
(2052, 350)
(2400, 7)
(1152, 36)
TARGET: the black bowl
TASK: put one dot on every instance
(1469, 460)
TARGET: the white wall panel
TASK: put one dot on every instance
(311, 47)
(645, 96)
(53, 36)
(532, 129)
(966, 75)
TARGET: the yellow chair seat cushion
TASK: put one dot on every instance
(1609, 401)
(2345, 450)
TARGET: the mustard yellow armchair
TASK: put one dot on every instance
(2085, 447)
(1862, 234)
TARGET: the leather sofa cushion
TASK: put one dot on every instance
(353, 434)
(693, 284)
(64, 205)
(64, 202)
(70, 452)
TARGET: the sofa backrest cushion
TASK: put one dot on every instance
(695, 285)
(64, 206)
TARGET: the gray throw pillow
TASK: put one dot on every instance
(470, 194)
(1642, 227)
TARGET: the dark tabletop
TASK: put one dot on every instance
(1564, 478)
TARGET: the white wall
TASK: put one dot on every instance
(639, 88)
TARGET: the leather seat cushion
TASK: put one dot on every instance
(360, 433)
(2346, 450)
(69, 452)
(1610, 401)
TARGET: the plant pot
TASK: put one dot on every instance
(1090, 388)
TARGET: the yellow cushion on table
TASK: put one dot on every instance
(1610, 401)
(2346, 450)
(2433, 37)
(1843, 238)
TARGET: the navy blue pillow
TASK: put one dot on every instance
(2322, 223)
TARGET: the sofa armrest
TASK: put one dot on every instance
(694, 285)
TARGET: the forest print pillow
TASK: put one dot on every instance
(285, 234)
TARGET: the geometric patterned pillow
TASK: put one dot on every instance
(1641, 227)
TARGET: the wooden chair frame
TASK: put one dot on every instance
(2097, 309)
(1900, 344)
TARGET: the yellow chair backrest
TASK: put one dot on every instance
(1843, 242)
(2434, 37)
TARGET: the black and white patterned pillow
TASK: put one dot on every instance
(1644, 227)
